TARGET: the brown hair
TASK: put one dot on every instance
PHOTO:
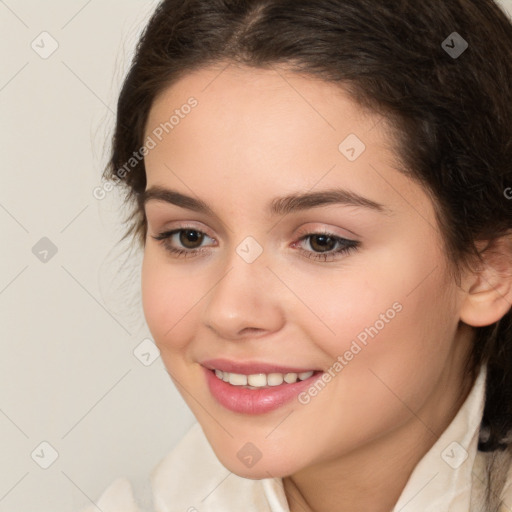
(451, 114)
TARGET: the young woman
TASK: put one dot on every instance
(322, 191)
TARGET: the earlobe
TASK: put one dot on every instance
(488, 288)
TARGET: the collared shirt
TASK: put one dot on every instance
(451, 477)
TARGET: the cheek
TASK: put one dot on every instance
(168, 299)
(396, 314)
(358, 303)
(386, 361)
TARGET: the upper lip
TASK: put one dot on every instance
(250, 367)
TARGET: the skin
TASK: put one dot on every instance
(260, 134)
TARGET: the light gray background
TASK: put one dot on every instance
(69, 325)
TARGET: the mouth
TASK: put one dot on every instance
(257, 393)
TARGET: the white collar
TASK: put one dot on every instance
(442, 480)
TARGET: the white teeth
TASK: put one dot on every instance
(290, 378)
(274, 379)
(238, 379)
(257, 380)
(261, 380)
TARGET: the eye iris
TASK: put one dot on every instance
(190, 236)
(322, 246)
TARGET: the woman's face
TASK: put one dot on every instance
(366, 298)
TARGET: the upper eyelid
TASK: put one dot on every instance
(199, 226)
(186, 225)
(302, 231)
(326, 230)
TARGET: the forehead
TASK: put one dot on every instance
(250, 117)
(271, 94)
(256, 133)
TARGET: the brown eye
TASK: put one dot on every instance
(189, 237)
(324, 246)
(322, 242)
(185, 242)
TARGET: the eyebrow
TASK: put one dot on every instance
(278, 206)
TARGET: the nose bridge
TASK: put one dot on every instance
(243, 298)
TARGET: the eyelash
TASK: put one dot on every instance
(346, 245)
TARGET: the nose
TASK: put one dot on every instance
(244, 301)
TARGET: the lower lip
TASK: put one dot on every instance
(254, 401)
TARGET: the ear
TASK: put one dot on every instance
(488, 288)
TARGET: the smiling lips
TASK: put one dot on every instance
(256, 375)
(255, 388)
